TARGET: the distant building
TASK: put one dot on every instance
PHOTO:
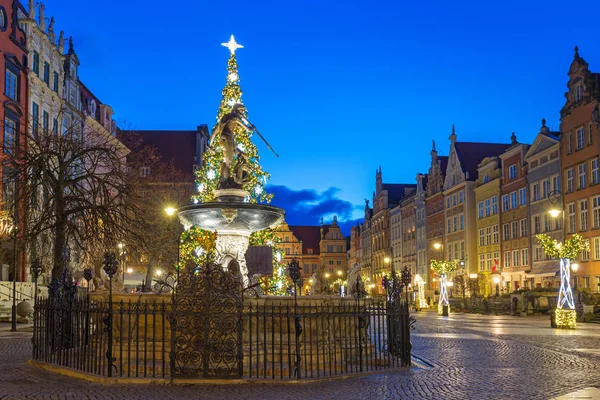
(543, 177)
(319, 250)
(422, 262)
(460, 208)
(487, 197)
(182, 149)
(580, 152)
(434, 205)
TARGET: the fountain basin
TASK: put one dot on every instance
(231, 217)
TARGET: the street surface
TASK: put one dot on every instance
(471, 357)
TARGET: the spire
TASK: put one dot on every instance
(543, 122)
(433, 152)
(453, 135)
(71, 49)
(576, 56)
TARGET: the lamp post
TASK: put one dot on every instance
(121, 247)
(110, 267)
(473, 278)
(439, 247)
(170, 211)
(575, 268)
(14, 296)
(497, 282)
(36, 270)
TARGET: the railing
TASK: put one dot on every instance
(333, 340)
(10, 291)
(74, 334)
(315, 340)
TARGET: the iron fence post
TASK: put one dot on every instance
(110, 267)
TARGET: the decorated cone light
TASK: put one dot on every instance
(565, 315)
(443, 268)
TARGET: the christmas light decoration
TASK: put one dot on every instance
(443, 268)
(207, 179)
(565, 315)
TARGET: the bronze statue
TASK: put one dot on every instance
(224, 134)
(236, 166)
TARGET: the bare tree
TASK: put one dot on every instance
(72, 184)
(157, 184)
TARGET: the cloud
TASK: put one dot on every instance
(307, 206)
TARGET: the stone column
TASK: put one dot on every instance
(232, 247)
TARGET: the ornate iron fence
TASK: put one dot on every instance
(207, 329)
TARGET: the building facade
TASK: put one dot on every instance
(434, 214)
(487, 197)
(14, 116)
(544, 179)
(580, 152)
(421, 226)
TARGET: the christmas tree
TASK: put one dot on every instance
(197, 245)
(208, 176)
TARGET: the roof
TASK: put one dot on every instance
(178, 147)
(471, 154)
(398, 191)
(443, 163)
(309, 235)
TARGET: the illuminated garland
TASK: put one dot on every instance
(278, 282)
(569, 249)
(198, 246)
(444, 267)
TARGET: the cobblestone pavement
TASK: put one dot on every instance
(473, 357)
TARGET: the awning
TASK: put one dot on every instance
(550, 268)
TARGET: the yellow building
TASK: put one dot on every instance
(301, 243)
(487, 196)
(319, 250)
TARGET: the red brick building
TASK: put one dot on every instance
(434, 205)
(514, 216)
(14, 102)
(580, 152)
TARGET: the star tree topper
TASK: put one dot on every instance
(232, 45)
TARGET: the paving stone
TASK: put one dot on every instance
(470, 363)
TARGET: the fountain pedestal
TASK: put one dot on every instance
(233, 221)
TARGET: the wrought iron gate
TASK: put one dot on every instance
(207, 324)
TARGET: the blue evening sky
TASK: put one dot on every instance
(339, 88)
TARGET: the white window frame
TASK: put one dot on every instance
(512, 171)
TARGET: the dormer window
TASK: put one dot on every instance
(486, 179)
(578, 93)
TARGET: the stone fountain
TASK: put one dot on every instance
(233, 219)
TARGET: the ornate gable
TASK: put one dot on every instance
(454, 171)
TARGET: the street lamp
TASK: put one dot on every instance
(497, 282)
(14, 296)
(170, 211)
(121, 246)
(339, 272)
(575, 268)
